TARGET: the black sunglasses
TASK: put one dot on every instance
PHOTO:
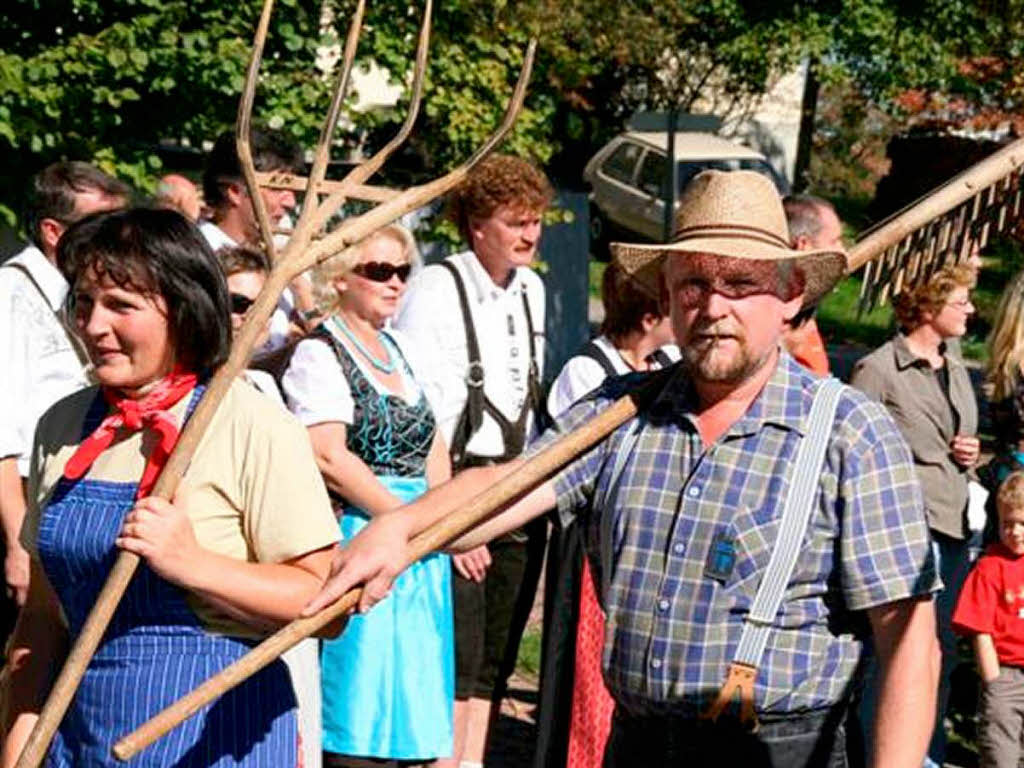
(381, 271)
(240, 304)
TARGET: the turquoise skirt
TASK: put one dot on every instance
(388, 681)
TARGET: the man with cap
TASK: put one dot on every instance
(746, 528)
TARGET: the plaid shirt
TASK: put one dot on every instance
(672, 628)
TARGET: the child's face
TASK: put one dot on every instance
(1011, 529)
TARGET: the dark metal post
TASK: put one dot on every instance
(672, 175)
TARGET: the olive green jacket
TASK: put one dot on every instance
(909, 388)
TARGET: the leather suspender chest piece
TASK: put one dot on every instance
(513, 433)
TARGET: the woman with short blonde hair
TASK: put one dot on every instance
(388, 681)
(329, 271)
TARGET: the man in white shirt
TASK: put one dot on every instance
(233, 220)
(37, 347)
(477, 320)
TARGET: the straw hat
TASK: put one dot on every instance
(737, 214)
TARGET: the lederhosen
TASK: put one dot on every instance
(490, 617)
(513, 433)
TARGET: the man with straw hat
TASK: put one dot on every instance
(741, 527)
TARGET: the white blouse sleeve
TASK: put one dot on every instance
(580, 376)
(315, 386)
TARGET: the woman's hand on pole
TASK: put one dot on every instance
(160, 532)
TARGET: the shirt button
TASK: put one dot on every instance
(663, 605)
(693, 491)
(679, 548)
(655, 663)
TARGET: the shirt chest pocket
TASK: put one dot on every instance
(754, 534)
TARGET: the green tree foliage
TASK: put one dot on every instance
(108, 80)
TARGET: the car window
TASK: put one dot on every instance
(653, 169)
(689, 169)
(762, 167)
(621, 162)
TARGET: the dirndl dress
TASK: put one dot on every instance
(154, 651)
(389, 679)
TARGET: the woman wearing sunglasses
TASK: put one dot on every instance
(388, 681)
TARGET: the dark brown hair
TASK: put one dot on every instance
(625, 304)
(157, 251)
(51, 194)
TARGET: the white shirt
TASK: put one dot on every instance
(279, 321)
(431, 318)
(582, 374)
(40, 361)
(317, 390)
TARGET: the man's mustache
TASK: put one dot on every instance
(705, 331)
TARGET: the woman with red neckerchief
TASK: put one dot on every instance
(242, 547)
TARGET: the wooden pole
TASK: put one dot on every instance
(480, 509)
(938, 202)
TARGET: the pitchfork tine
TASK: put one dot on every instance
(391, 210)
(365, 170)
(314, 215)
(243, 127)
(323, 147)
(514, 105)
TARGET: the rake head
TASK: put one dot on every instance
(942, 228)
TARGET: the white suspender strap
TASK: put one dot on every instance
(805, 474)
(796, 512)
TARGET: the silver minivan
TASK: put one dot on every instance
(627, 180)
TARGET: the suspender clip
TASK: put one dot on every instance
(475, 374)
(739, 681)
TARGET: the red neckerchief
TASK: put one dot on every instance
(152, 412)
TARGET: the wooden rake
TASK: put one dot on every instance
(308, 245)
(944, 227)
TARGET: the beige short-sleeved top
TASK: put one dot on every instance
(256, 492)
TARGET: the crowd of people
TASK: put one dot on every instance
(762, 567)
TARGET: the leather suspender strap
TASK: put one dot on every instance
(534, 396)
(473, 414)
(661, 358)
(513, 434)
(804, 477)
(69, 331)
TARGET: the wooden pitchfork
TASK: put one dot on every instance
(308, 245)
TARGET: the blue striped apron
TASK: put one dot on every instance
(154, 651)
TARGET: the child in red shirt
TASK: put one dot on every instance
(991, 608)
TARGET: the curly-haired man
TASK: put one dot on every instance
(480, 313)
